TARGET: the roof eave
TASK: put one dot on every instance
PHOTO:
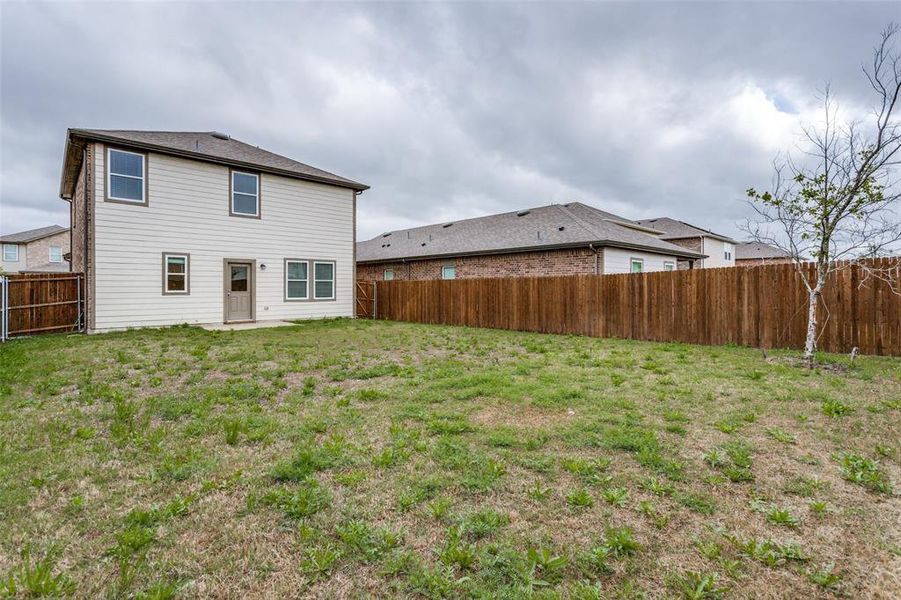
(99, 137)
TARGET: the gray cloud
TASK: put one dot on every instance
(447, 111)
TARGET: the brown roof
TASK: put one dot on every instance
(758, 250)
(541, 228)
(199, 145)
(24, 237)
(677, 230)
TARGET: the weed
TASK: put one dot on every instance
(865, 472)
(834, 408)
(310, 459)
(365, 541)
(615, 496)
(647, 508)
(480, 524)
(594, 560)
(658, 487)
(32, 579)
(304, 502)
(318, 562)
(780, 435)
(698, 586)
(804, 486)
(580, 498)
(818, 508)
(439, 508)
(699, 503)
(538, 491)
(620, 542)
(232, 428)
(824, 577)
(781, 516)
(547, 565)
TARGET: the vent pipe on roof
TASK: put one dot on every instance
(220, 136)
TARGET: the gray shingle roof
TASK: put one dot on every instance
(555, 225)
(210, 146)
(676, 230)
(24, 237)
(756, 250)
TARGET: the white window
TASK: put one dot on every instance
(323, 281)
(297, 280)
(11, 252)
(56, 254)
(448, 272)
(125, 176)
(389, 274)
(727, 251)
(245, 192)
(669, 265)
(175, 273)
(637, 265)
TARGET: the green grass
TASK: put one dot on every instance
(417, 461)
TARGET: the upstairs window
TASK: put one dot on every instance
(637, 265)
(11, 252)
(297, 280)
(56, 254)
(727, 255)
(245, 194)
(126, 179)
(175, 273)
(448, 272)
(323, 281)
(389, 274)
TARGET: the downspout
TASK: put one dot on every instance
(596, 257)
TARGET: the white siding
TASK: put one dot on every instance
(13, 266)
(617, 260)
(715, 251)
(188, 213)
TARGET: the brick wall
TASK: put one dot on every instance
(756, 262)
(695, 245)
(39, 251)
(77, 222)
(569, 261)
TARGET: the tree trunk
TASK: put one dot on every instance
(810, 345)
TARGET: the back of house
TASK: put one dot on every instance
(200, 228)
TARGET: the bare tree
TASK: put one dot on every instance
(834, 200)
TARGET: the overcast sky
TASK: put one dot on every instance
(447, 110)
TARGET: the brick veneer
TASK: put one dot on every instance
(569, 261)
(38, 253)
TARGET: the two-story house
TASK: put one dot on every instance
(200, 228)
(41, 250)
(719, 250)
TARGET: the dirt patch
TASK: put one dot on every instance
(521, 416)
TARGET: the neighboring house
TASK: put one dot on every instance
(748, 254)
(719, 249)
(182, 227)
(40, 250)
(559, 239)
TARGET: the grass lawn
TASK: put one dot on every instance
(354, 458)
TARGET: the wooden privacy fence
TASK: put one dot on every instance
(34, 303)
(762, 306)
(365, 305)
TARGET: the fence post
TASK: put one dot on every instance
(4, 309)
(375, 300)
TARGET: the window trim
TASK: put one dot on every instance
(165, 283)
(632, 261)
(16, 246)
(334, 280)
(296, 260)
(671, 264)
(443, 267)
(106, 177)
(50, 254)
(385, 275)
(231, 193)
